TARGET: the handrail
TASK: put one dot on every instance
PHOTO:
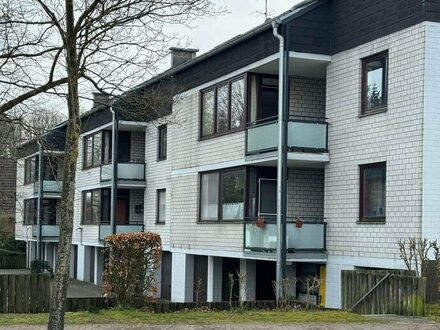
(272, 219)
(295, 119)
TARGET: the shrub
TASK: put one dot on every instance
(130, 262)
(39, 266)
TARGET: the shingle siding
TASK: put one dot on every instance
(394, 137)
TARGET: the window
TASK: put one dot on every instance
(372, 195)
(222, 195)
(161, 206)
(30, 211)
(49, 212)
(98, 148)
(96, 206)
(162, 142)
(92, 150)
(374, 83)
(223, 107)
(31, 169)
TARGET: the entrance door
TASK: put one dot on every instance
(122, 211)
(267, 204)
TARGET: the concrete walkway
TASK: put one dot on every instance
(76, 289)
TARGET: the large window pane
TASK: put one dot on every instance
(162, 151)
(96, 206)
(232, 195)
(87, 207)
(161, 205)
(222, 108)
(97, 147)
(237, 103)
(88, 151)
(373, 193)
(374, 77)
(208, 113)
(209, 196)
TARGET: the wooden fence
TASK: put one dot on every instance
(399, 292)
(13, 261)
(24, 293)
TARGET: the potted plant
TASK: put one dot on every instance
(260, 222)
(299, 222)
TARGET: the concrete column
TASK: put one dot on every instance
(99, 265)
(248, 282)
(290, 280)
(214, 285)
(182, 281)
(158, 278)
(333, 283)
(72, 262)
(48, 253)
(83, 263)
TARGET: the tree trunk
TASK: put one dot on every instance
(61, 280)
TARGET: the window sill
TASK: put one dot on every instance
(217, 222)
(212, 136)
(371, 221)
(160, 223)
(373, 112)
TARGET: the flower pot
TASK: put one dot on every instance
(299, 223)
(260, 222)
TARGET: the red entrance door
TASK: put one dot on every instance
(122, 211)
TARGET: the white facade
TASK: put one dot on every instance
(405, 136)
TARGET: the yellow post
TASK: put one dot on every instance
(322, 286)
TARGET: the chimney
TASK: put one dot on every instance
(182, 55)
(100, 99)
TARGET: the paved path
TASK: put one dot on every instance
(389, 323)
(76, 288)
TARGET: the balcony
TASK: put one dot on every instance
(305, 135)
(47, 231)
(310, 237)
(49, 186)
(106, 229)
(126, 171)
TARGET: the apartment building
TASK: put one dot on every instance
(362, 156)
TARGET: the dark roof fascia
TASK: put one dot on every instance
(289, 17)
(286, 17)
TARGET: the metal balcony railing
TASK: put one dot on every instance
(126, 171)
(309, 235)
(106, 229)
(304, 134)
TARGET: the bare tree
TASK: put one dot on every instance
(50, 47)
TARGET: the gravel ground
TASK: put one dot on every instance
(389, 323)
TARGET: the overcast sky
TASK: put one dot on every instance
(206, 33)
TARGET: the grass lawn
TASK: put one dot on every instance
(433, 312)
(188, 317)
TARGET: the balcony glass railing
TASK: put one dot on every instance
(49, 186)
(126, 171)
(47, 231)
(305, 134)
(310, 235)
(106, 229)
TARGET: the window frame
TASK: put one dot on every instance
(85, 150)
(214, 89)
(158, 192)
(219, 195)
(161, 146)
(26, 210)
(362, 169)
(383, 56)
(31, 175)
(101, 207)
